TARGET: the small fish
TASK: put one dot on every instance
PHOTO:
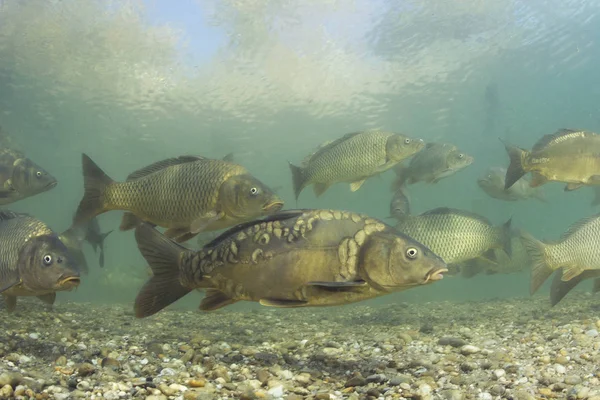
(436, 161)
(186, 195)
(456, 235)
(95, 237)
(21, 178)
(295, 258)
(33, 260)
(559, 288)
(400, 205)
(492, 183)
(352, 158)
(575, 252)
(568, 156)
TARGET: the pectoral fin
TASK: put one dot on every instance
(6, 193)
(11, 303)
(215, 299)
(49, 298)
(204, 221)
(573, 186)
(282, 303)
(354, 186)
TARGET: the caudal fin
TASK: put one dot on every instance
(506, 237)
(95, 182)
(515, 170)
(560, 288)
(163, 257)
(101, 245)
(297, 179)
(540, 269)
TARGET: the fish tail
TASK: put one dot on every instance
(506, 237)
(596, 200)
(560, 288)
(297, 179)
(95, 182)
(515, 170)
(400, 180)
(164, 287)
(101, 245)
(540, 269)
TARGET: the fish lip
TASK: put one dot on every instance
(273, 206)
(51, 185)
(435, 274)
(69, 282)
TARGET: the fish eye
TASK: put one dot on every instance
(412, 252)
(38, 174)
(253, 191)
(406, 141)
(461, 155)
(47, 260)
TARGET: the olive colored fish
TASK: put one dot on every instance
(186, 195)
(400, 204)
(21, 178)
(559, 288)
(33, 260)
(568, 156)
(436, 161)
(352, 158)
(456, 235)
(95, 237)
(492, 183)
(295, 258)
(576, 251)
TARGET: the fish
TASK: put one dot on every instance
(569, 156)
(185, 195)
(21, 178)
(352, 158)
(492, 182)
(95, 237)
(294, 258)
(559, 288)
(457, 235)
(575, 252)
(399, 205)
(33, 260)
(435, 162)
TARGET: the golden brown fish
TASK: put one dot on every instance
(33, 260)
(21, 178)
(567, 155)
(353, 158)
(186, 195)
(295, 258)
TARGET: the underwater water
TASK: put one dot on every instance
(130, 83)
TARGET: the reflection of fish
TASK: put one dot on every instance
(568, 156)
(575, 252)
(353, 158)
(492, 183)
(21, 178)
(187, 194)
(436, 161)
(295, 258)
(33, 260)
(456, 235)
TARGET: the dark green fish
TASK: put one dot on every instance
(295, 258)
(33, 260)
(186, 195)
(95, 237)
(492, 183)
(21, 178)
(353, 158)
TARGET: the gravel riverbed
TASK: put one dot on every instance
(509, 349)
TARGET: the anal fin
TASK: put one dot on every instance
(354, 186)
(320, 188)
(201, 223)
(215, 299)
(281, 303)
(573, 186)
(571, 272)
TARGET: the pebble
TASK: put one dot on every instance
(572, 380)
(356, 380)
(469, 349)
(560, 369)
(276, 392)
(452, 341)
(592, 333)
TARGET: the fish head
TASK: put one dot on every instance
(29, 178)
(245, 197)
(393, 261)
(400, 204)
(492, 179)
(457, 160)
(399, 147)
(45, 263)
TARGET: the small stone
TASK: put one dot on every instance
(6, 392)
(276, 392)
(405, 337)
(83, 385)
(424, 390)
(485, 396)
(572, 380)
(61, 361)
(560, 369)
(376, 378)
(85, 369)
(562, 360)
(19, 390)
(34, 336)
(592, 333)
(451, 394)
(499, 373)
(263, 376)
(356, 380)
(451, 341)
(497, 390)
(196, 383)
(303, 378)
(469, 349)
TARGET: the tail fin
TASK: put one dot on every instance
(163, 256)
(560, 288)
(596, 200)
(401, 175)
(515, 170)
(506, 237)
(95, 182)
(540, 270)
(101, 245)
(297, 179)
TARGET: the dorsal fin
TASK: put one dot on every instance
(456, 211)
(280, 216)
(555, 138)
(157, 166)
(577, 225)
(7, 214)
(328, 145)
(228, 158)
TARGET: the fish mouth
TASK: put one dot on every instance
(273, 206)
(51, 185)
(69, 282)
(435, 274)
